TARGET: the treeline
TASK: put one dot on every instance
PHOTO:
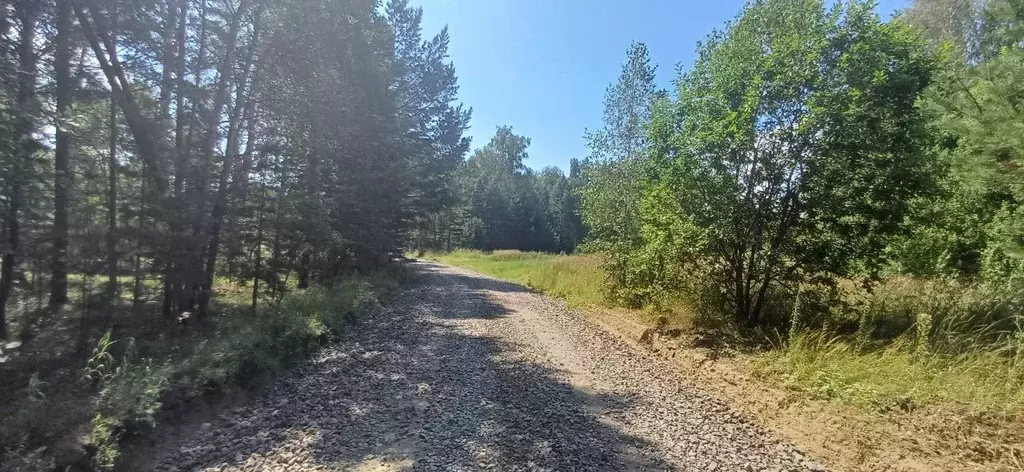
(500, 203)
(148, 147)
(814, 151)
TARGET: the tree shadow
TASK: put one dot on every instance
(479, 282)
(409, 388)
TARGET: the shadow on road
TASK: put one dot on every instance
(409, 388)
(471, 281)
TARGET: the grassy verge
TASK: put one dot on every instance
(577, 279)
(925, 399)
(79, 413)
(899, 376)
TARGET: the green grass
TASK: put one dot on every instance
(899, 376)
(578, 279)
(913, 342)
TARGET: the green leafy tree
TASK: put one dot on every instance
(790, 155)
(957, 22)
(979, 106)
(610, 192)
(503, 204)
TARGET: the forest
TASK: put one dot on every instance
(170, 164)
(196, 192)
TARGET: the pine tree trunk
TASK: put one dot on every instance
(5, 24)
(137, 286)
(63, 154)
(112, 270)
(303, 270)
(27, 13)
(239, 188)
(171, 265)
(275, 259)
(167, 58)
(148, 136)
(257, 260)
(242, 111)
(198, 277)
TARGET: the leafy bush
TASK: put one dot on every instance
(247, 344)
(127, 395)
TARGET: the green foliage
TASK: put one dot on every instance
(248, 345)
(426, 89)
(506, 205)
(128, 390)
(127, 395)
(122, 384)
(769, 167)
(611, 193)
(899, 377)
(104, 436)
(974, 226)
(908, 343)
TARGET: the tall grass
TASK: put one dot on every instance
(579, 279)
(912, 342)
(900, 375)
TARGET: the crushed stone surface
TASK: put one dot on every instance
(464, 372)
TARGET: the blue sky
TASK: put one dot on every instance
(542, 66)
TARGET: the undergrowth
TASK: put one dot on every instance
(910, 343)
(133, 369)
(900, 376)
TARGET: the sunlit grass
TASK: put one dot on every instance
(899, 376)
(579, 279)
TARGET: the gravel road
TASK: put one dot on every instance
(465, 372)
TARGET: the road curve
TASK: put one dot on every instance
(464, 372)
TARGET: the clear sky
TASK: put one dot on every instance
(542, 66)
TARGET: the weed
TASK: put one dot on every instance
(104, 436)
(831, 368)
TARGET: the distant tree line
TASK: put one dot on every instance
(148, 147)
(500, 203)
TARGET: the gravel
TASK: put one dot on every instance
(465, 372)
